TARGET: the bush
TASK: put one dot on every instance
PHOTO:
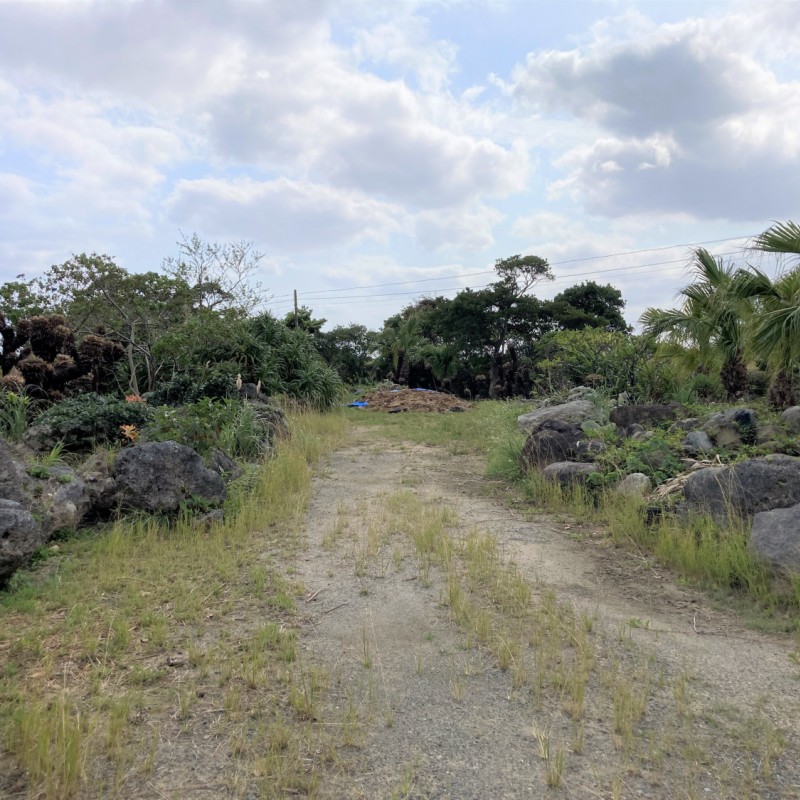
(243, 430)
(609, 360)
(87, 420)
(186, 387)
(15, 411)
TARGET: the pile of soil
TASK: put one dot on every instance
(396, 400)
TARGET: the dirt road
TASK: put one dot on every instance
(611, 681)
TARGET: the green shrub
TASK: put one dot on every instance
(186, 387)
(15, 410)
(243, 430)
(655, 457)
(616, 362)
(84, 421)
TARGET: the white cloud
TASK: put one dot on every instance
(459, 229)
(287, 214)
(404, 42)
(692, 120)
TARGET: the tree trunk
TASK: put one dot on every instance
(734, 376)
(781, 391)
(495, 376)
(133, 383)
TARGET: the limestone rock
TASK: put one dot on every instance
(791, 418)
(744, 489)
(20, 537)
(161, 476)
(569, 473)
(697, 442)
(224, 465)
(768, 433)
(575, 412)
(733, 427)
(637, 484)
(587, 449)
(550, 441)
(775, 537)
(645, 415)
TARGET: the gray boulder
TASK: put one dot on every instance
(769, 433)
(581, 393)
(13, 476)
(55, 494)
(791, 418)
(569, 473)
(550, 441)
(637, 484)
(744, 489)
(775, 537)
(697, 442)
(624, 417)
(587, 449)
(688, 424)
(40, 438)
(224, 465)
(733, 427)
(575, 412)
(636, 432)
(20, 537)
(162, 476)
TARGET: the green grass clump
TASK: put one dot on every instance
(489, 428)
(89, 639)
(698, 549)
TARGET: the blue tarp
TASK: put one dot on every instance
(358, 404)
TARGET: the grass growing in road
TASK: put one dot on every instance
(716, 559)
(588, 691)
(128, 645)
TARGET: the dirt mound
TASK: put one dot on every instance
(396, 400)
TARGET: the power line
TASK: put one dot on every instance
(489, 271)
(557, 281)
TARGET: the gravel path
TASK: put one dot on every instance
(422, 713)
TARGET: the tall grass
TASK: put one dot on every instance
(94, 624)
(15, 410)
(697, 549)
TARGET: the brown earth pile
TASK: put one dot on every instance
(395, 400)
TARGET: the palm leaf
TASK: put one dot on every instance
(782, 237)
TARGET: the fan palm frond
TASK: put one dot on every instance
(782, 237)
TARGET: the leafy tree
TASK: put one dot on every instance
(134, 309)
(19, 300)
(349, 349)
(589, 305)
(220, 275)
(491, 321)
(405, 347)
(597, 357)
(775, 327)
(711, 318)
(304, 320)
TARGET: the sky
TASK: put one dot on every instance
(378, 151)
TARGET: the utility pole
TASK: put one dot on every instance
(295, 309)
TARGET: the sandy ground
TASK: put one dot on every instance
(424, 714)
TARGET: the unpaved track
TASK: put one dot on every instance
(424, 715)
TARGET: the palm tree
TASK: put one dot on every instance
(775, 334)
(405, 348)
(441, 360)
(710, 319)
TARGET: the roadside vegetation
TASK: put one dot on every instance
(119, 638)
(126, 646)
(696, 549)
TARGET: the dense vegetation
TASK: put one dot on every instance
(194, 330)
